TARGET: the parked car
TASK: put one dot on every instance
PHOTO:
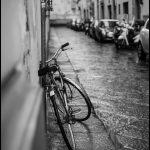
(87, 24)
(79, 24)
(143, 44)
(104, 29)
(138, 24)
(93, 29)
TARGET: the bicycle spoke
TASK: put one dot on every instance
(77, 101)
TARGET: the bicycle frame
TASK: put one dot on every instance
(54, 86)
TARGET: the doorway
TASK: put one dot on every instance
(126, 11)
(125, 8)
(137, 9)
(109, 12)
(98, 10)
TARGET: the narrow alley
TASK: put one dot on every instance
(117, 85)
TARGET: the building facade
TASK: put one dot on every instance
(22, 108)
(114, 9)
(144, 9)
(83, 7)
(129, 9)
(100, 9)
(125, 9)
(63, 11)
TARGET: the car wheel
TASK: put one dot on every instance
(140, 52)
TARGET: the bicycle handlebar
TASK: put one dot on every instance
(64, 45)
(47, 68)
(57, 52)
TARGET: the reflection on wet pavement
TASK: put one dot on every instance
(117, 84)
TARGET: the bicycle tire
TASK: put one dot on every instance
(83, 102)
(65, 127)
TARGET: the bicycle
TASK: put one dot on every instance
(61, 92)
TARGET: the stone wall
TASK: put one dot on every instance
(21, 37)
(21, 100)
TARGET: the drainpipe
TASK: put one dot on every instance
(45, 37)
(47, 26)
(43, 53)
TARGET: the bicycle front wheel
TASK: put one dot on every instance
(77, 99)
(63, 120)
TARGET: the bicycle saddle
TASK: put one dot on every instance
(47, 69)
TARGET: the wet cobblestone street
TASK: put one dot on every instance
(118, 87)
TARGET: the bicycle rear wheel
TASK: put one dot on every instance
(63, 121)
(78, 101)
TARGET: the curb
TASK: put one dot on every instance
(111, 133)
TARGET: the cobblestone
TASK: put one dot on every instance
(117, 85)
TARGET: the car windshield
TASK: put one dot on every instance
(110, 23)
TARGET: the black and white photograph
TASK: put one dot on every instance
(75, 74)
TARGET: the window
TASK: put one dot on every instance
(119, 9)
(125, 8)
(109, 12)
